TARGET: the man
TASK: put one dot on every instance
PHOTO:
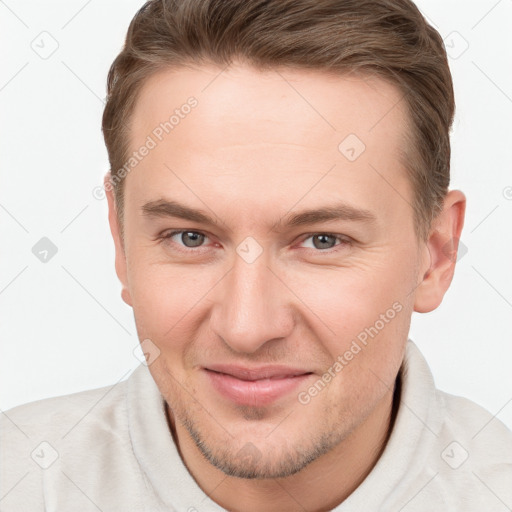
(279, 204)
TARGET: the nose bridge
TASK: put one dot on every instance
(252, 308)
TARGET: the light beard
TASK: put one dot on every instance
(245, 460)
(249, 462)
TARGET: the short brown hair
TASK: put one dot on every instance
(389, 39)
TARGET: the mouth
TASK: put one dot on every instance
(255, 386)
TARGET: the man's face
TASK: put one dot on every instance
(254, 291)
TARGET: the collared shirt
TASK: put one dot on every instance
(110, 449)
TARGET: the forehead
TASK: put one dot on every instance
(282, 129)
(263, 101)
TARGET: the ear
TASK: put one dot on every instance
(113, 220)
(441, 253)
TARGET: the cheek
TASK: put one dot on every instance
(347, 298)
(370, 304)
(167, 300)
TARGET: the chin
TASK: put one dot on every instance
(278, 456)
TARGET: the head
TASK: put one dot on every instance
(278, 195)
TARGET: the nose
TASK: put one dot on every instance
(252, 307)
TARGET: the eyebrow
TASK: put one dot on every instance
(164, 208)
(340, 211)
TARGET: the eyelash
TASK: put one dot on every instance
(344, 241)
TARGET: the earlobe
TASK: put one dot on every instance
(125, 295)
(441, 246)
(120, 256)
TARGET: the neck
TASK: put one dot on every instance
(320, 486)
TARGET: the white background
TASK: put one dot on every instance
(64, 327)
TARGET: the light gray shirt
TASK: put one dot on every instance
(110, 449)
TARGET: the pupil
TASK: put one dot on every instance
(324, 241)
(194, 238)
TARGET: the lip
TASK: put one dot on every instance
(255, 386)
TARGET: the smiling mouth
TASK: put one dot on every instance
(255, 387)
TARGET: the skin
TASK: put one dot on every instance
(259, 147)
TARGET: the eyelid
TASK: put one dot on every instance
(167, 235)
(343, 240)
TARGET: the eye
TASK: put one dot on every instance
(188, 239)
(323, 241)
(195, 239)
